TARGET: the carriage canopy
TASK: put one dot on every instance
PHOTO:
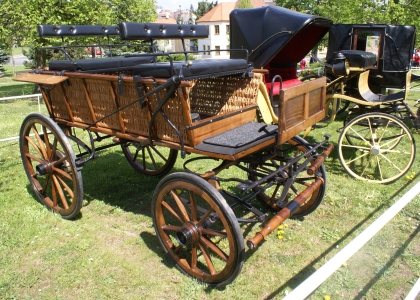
(275, 34)
(392, 44)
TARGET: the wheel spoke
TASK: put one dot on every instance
(357, 158)
(54, 148)
(36, 148)
(205, 217)
(66, 187)
(207, 257)
(392, 164)
(193, 205)
(194, 256)
(356, 147)
(181, 207)
(158, 153)
(40, 143)
(28, 155)
(214, 232)
(60, 192)
(210, 245)
(359, 135)
(379, 168)
(152, 158)
(173, 212)
(62, 173)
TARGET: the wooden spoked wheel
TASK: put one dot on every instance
(49, 162)
(150, 160)
(376, 147)
(274, 190)
(197, 229)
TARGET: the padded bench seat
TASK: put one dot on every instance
(239, 139)
(197, 69)
(98, 65)
(359, 59)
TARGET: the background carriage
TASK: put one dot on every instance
(361, 63)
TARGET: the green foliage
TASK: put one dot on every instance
(359, 11)
(245, 4)
(4, 58)
(204, 7)
(175, 57)
(19, 18)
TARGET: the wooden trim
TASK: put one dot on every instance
(89, 102)
(40, 78)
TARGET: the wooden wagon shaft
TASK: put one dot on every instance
(284, 214)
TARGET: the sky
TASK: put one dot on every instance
(173, 5)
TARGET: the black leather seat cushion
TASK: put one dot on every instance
(359, 59)
(100, 64)
(239, 139)
(197, 69)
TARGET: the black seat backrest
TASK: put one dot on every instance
(77, 30)
(150, 31)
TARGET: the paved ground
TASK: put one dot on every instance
(19, 59)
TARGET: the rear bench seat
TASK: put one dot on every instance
(90, 65)
(193, 69)
(143, 65)
(188, 70)
(99, 65)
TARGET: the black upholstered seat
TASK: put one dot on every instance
(100, 64)
(193, 69)
(359, 59)
(239, 139)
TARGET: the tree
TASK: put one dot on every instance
(203, 8)
(19, 18)
(4, 58)
(245, 4)
(394, 12)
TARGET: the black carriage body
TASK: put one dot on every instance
(276, 38)
(393, 45)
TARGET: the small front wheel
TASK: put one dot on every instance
(49, 162)
(376, 147)
(197, 229)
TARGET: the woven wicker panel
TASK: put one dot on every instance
(58, 103)
(136, 119)
(102, 98)
(174, 111)
(78, 103)
(214, 96)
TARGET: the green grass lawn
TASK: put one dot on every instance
(111, 251)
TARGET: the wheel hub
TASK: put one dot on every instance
(188, 234)
(375, 150)
(45, 167)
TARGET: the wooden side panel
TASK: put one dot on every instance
(300, 107)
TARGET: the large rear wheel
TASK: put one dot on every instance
(376, 147)
(197, 229)
(49, 162)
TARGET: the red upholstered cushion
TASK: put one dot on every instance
(286, 84)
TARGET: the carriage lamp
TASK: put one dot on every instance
(340, 65)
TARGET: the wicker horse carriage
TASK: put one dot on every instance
(154, 109)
